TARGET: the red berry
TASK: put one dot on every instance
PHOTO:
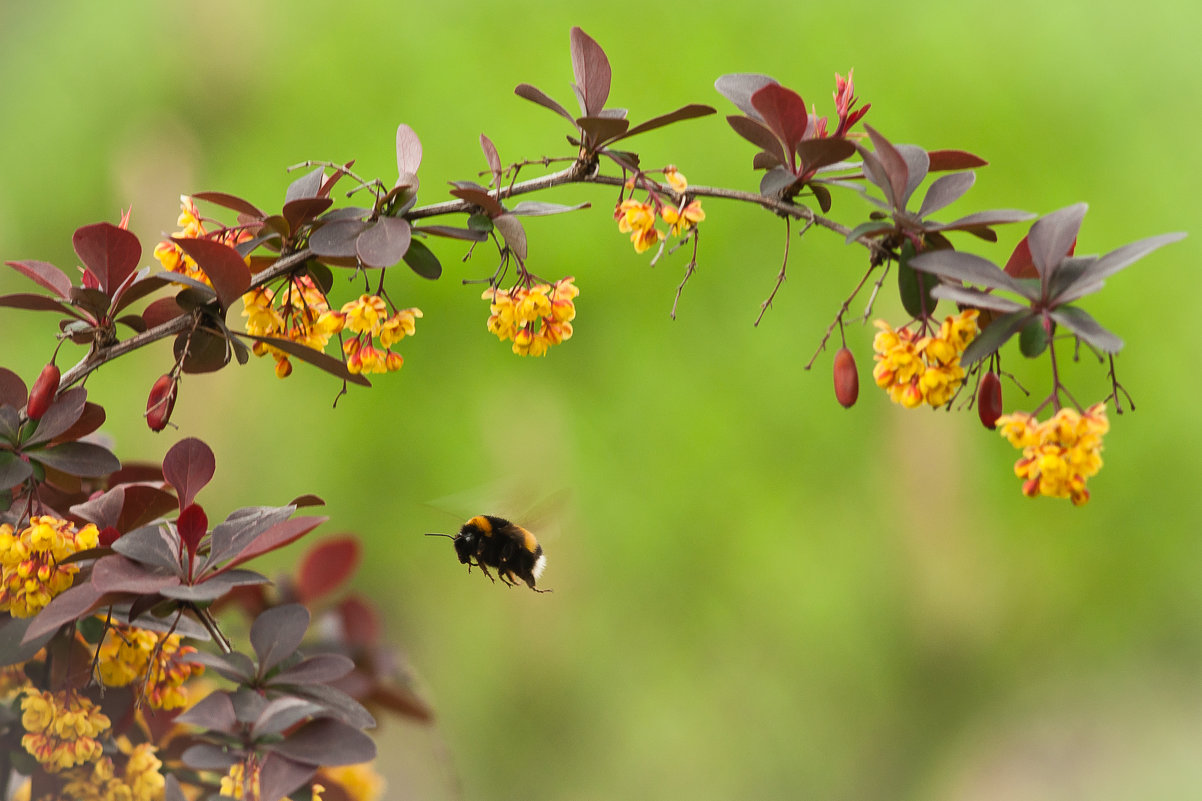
(989, 400)
(847, 380)
(42, 394)
(160, 403)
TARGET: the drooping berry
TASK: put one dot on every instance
(847, 380)
(160, 403)
(42, 394)
(989, 400)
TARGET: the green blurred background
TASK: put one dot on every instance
(757, 593)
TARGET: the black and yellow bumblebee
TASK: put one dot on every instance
(488, 541)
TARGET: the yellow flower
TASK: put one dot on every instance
(638, 220)
(683, 219)
(32, 569)
(235, 784)
(360, 782)
(675, 179)
(927, 370)
(1059, 454)
(535, 317)
(62, 729)
(398, 326)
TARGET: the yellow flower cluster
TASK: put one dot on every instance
(359, 782)
(31, 562)
(368, 319)
(1059, 454)
(534, 317)
(126, 656)
(916, 370)
(298, 311)
(62, 729)
(235, 784)
(140, 781)
(637, 218)
(192, 227)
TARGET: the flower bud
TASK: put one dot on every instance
(160, 403)
(847, 380)
(42, 394)
(989, 400)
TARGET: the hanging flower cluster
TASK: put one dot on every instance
(638, 218)
(62, 729)
(916, 369)
(368, 319)
(141, 779)
(534, 317)
(297, 311)
(192, 226)
(32, 568)
(1059, 454)
(130, 654)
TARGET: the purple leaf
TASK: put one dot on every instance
(303, 210)
(13, 651)
(317, 669)
(337, 703)
(969, 268)
(117, 574)
(408, 150)
(308, 185)
(235, 666)
(281, 776)
(996, 334)
(151, 545)
(977, 298)
(277, 633)
(45, 274)
(941, 160)
(945, 191)
(328, 742)
(691, 111)
(62, 414)
(66, 607)
(214, 712)
(187, 467)
(592, 72)
(1053, 235)
(817, 153)
(336, 239)
(480, 197)
(32, 302)
(1121, 257)
(894, 166)
(13, 470)
(13, 391)
(759, 135)
(384, 243)
(78, 459)
(917, 166)
(321, 361)
(110, 253)
(980, 218)
(223, 265)
(280, 714)
(515, 236)
(784, 112)
(739, 87)
(493, 159)
(215, 586)
(599, 130)
(204, 756)
(537, 208)
(536, 95)
(277, 536)
(231, 202)
(241, 528)
(1085, 326)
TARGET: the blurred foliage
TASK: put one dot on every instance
(757, 593)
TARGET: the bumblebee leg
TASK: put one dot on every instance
(484, 570)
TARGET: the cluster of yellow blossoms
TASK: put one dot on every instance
(300, 312)
(637, 218)
(32, 571)
(62, 729)
(357, 782)
(192, 227)
(368, 319)
(141, 780)
(126, 656)
(916, 370)
(534, 317)
(1059, 454)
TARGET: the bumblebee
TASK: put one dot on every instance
(487, 541)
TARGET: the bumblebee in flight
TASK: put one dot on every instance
(487, 541)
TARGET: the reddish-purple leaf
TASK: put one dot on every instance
(493, 159)
(200, 351)
(13, 470)
(783, 111)
(336, 239)
(304, 210)
(308, 185)
(325, 566)
(155, 546)
(759, 135)
(223, 265)
(203, 756)
(513, 232)
(976, 298)
(1052, 236)
(91, 419)
(110, 253)
(408, 150)
(917, 167)
(328, 742)
(318, 669)
(1121, 257)
(45, 274)
(31, 302)
(739, 87)
(61, 415)
(119, 574)
(66, 607)
(538, 208)
(277, 536)
(896, 172)
(451, 232)
(192, 525)
(78, 459)
(942, 160)
(214, 712)
(13, 391)
(814, 154)
(946, 190)
(536, 95)
(691, 111)
(277, 633)
(187, 467)
(282, 713)
(1085, 326)
(966, 267)
(321, 361)
(215, 586)
(231, 202)
(599, 130)
(984, 218)
(13, 648)
(479, 197)
(592, 72)
(384, 243)
(996, 334)
(281, 776)
(144, 503)
(161, 311)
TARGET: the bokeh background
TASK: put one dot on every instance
(757, 593)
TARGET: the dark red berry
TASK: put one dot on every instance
(42, 394)
(160, 403)
(989, 400)
(847, 380)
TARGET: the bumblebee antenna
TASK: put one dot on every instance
(437, 534)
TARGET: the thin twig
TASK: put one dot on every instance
(780, 277)
(838, 321)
